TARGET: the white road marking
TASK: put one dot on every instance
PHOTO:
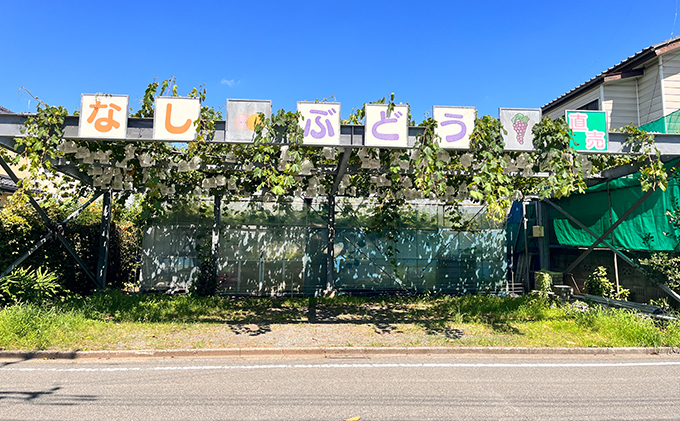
(325, 366)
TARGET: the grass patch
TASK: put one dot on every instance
(115, 320)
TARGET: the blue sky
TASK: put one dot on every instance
(486, 54)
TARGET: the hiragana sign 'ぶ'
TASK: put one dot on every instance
(103, 116)
(454, 126)
(174, 118)
(385, 128)
(589, 130)
(320, 123)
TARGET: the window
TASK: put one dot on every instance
(593, 106)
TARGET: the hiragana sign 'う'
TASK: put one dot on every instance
(454, 126)
(589, 130)
(103, 116)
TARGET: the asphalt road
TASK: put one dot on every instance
(379, 388)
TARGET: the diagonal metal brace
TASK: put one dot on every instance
(50, 225)
(619, 253)
(47, 236)
(610, 230)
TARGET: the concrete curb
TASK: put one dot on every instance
(338, 352)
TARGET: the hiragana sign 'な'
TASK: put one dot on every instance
(320, 123)
(103, 116)
(589, 130)
(385, 128)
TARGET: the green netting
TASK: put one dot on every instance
(666, 124)
(649, 227)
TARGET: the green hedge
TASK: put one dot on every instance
(21, 228)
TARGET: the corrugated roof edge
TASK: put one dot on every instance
(4, 110)
(651, 51)
(6, 184)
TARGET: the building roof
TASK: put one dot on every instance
(7, 185)
(4, 110)
(630, 67)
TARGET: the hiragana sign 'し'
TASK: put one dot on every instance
(174, 118)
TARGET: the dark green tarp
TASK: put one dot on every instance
(649, 227)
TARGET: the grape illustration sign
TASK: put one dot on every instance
(518, 123)
(589, 130)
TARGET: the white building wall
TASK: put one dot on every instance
(576, 103)
(671, 78)
(620, 103)
(649, 89)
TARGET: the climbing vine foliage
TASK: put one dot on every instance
(277, 166)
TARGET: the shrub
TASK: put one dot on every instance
(665, 268)
(598, 284)
(543, 283)
(21, 228)
(25, 285)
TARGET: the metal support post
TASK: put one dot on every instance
(215, 245)
(526, 283)
(104, 240)
(330, 265)
(543, 247)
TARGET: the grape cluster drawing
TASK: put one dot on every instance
(520, 122)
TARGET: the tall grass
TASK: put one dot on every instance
(34, 327)
(104, 319)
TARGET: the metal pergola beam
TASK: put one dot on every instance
(141, 130)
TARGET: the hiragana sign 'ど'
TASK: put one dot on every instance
(174, 118)
(589, 130)
(242, 117)
(103, 116)
(518, 124)
(454, 126)
(320, 122)
(384, 128)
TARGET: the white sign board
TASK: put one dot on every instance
(454, 126)
(242, 114)
(103, 116)
(174, 118)
(320, 122)
(386, 129)
(518, 122)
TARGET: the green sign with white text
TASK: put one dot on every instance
(589, 130)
